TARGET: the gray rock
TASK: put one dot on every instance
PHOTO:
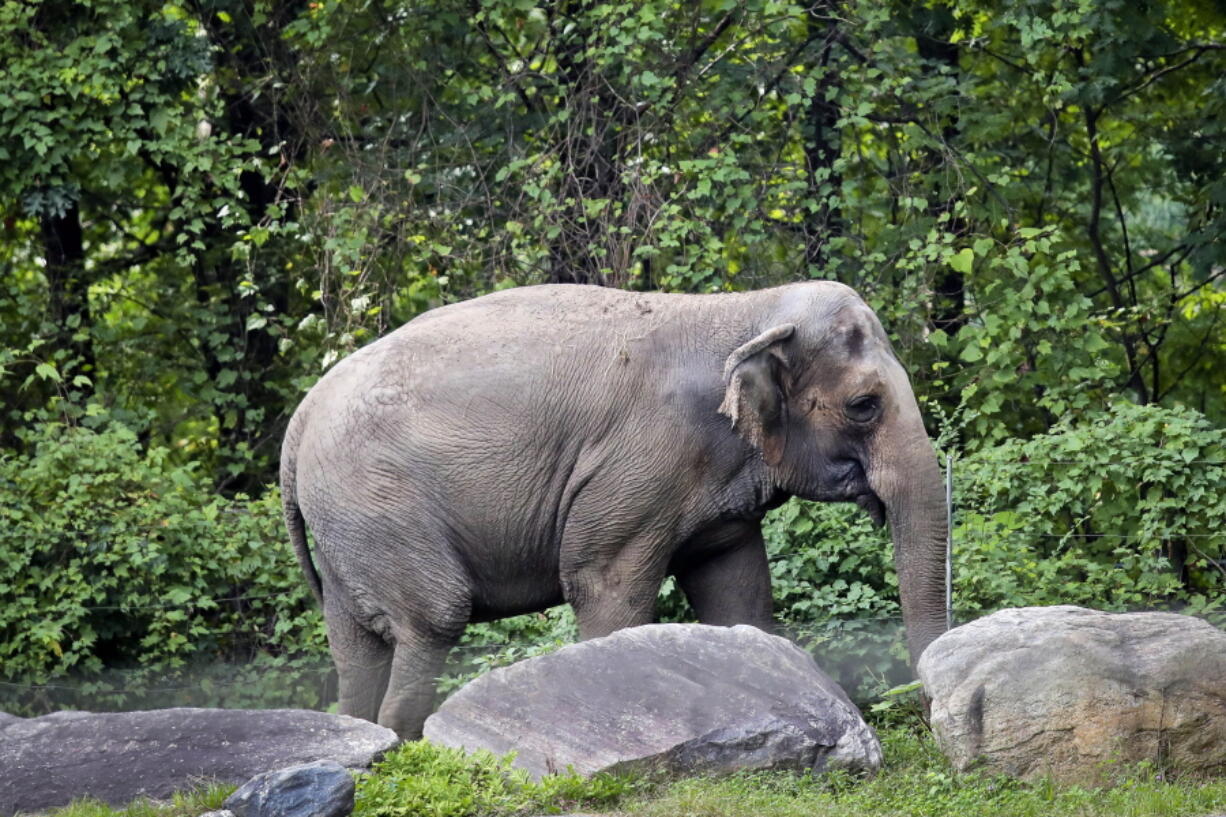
(118, 757)
(221, 812)
(6, 719)
(320, 789)
(677, 697)
(1072, 692)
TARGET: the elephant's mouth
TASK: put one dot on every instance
(874, 506)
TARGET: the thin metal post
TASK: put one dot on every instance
(949, 542)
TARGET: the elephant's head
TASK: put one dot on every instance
(820, 393)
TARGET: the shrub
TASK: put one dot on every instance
(420, 779)
(488, 645)
(836, 592)
(110, 556)
(1121, 510)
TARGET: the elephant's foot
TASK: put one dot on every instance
(410, 689)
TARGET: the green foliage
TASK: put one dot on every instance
(1121, 510)
(836, 592)
(420, 779)
(489, 645)
(109, 556)
(1029, 196)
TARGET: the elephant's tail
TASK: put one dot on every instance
(294, 522)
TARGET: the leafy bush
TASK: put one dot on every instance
(114, 558)
(491, 644)
(420, 779)
(836, 592)
(1120, 510)
(110, 557)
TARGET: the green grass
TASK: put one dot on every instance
(184, 804)
(420, 780)
(918, 781)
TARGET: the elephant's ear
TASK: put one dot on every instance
(753, 396)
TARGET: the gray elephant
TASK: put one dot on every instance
(577, 444)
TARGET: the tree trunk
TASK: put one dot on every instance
(934, 27)
(64, 250)
(822, 144)
(250, 410)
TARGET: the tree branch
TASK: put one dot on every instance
(1157, 75)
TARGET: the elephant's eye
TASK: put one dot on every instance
(862, 409)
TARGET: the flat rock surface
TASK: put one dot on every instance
(678, 697)
(118, 757)
(1070, 692)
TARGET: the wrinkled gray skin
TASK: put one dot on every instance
(580, 444)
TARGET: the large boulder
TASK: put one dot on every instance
(1070, 692)
(678, 697)
(121, 756)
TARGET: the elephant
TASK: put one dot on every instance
(578, 444)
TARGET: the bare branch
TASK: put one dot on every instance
(1157, 75)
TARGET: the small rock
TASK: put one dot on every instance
(320, 789)
(221, 812)
(119, 757)
(686, 698)
(1070, 692)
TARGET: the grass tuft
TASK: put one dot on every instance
(193, 803)
(419, 779)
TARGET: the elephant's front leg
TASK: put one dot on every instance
(727, 579)
(612, 589)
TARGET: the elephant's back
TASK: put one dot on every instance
(535, 320)
(481, 406)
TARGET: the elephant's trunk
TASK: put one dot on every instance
(907, 480)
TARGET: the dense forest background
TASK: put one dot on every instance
(205, 204)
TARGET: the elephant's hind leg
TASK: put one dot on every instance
(363, 661)
(418, 661)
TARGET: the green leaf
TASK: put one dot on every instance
(47, 371)
(962, 261)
